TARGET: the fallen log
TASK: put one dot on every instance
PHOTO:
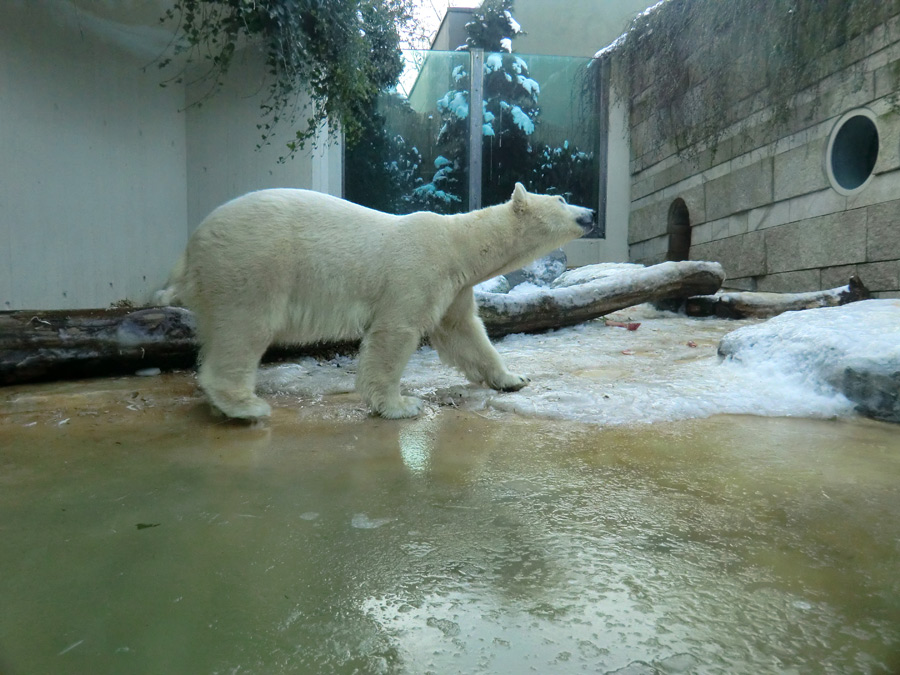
(750, 305)
(42, 345)
(38, 345)
(549, 308)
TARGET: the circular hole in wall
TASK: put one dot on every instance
(852, 152)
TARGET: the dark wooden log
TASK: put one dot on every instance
(749, 305)
(41, 345)
(37, 345)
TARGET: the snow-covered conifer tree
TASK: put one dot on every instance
(510, 111)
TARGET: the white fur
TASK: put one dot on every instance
(294, 266)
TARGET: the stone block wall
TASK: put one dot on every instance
(758, 196)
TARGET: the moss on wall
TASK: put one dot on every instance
(690, 69)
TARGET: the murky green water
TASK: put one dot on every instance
(162, 542)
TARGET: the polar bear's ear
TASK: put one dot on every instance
(518, 195)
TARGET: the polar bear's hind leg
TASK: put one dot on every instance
(227, 373)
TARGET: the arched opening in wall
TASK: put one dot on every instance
(852, 152)
(679, 231)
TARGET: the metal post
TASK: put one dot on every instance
(476, 124)
(603, 101)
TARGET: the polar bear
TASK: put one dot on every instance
(292, 266)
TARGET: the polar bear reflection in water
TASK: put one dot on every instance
(288, 266)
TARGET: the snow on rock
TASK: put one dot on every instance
(498, 284)
(854, 349)
(540, 272)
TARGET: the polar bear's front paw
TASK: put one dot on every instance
(405, 406)
(509, 382)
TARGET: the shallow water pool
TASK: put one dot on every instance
(142, 536)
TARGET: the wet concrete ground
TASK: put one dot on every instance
(142, 535)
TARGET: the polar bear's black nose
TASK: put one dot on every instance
(586, 220)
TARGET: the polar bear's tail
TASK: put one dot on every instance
(171, 294)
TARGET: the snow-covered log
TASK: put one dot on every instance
(547, 308)
(748, 305)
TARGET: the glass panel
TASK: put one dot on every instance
(540, 128)
(414, 155)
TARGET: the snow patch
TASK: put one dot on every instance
(532, 87)
(493, 62)
(513, 24)
(619, 41)
(587, 273)
(666, 370)
(522, 120)
(456, 102)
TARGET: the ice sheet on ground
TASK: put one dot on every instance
(601, 374)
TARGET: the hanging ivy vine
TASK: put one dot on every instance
(688, 66)
(325, 60)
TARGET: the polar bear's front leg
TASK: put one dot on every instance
(383, 355)
(462, 342)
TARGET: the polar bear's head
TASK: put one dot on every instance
(547, 221)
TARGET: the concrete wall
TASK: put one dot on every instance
(759, 198)
(573, 27)
(223, 161)
(92, 183)
(452, 31)
(105, 173)
(614, 247)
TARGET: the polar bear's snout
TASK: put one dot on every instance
(585, 220)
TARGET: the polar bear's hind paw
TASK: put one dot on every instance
(510, 382)
(249, 407)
